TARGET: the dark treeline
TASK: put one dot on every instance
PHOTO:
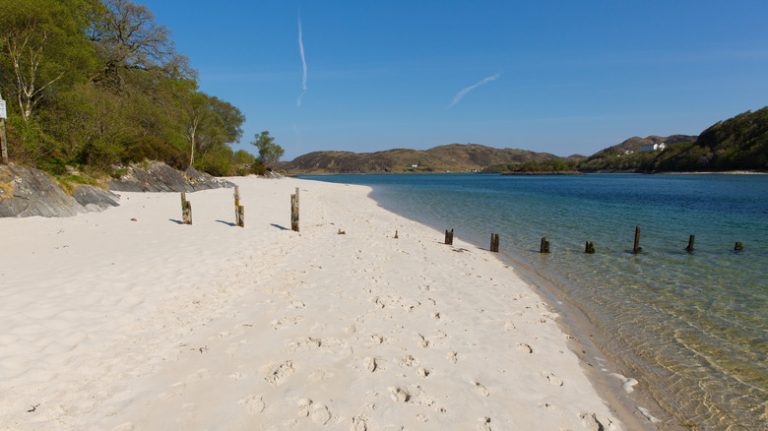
(94, 84)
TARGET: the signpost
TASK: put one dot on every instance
(3, 140)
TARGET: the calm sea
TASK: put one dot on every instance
(692, 328)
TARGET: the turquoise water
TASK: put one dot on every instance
(693, 328)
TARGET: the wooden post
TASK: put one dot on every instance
(237, 205)
(738, 246)
(396, 237)
(239, 209)
(186, 209)
(449, 237)
(589, 247)
(495, 242)
(636, 247)
(295, 212)
(691, 239)
(3, 142)
(241, 216)
(544, 245)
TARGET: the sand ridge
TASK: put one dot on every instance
(109, 323)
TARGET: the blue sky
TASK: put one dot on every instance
(570, 76)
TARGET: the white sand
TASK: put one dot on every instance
(106, 323)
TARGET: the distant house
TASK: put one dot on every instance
(654, 147)
(414, 166)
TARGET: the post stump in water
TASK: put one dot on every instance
(691, 239)
(636, 247)
(449, 237)
(544, 245)
(589, 247)
(495, 242)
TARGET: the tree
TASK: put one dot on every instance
(43, 41)
(128, 38)
(269, 151)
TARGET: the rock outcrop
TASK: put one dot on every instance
(159, 177)
(27, 192)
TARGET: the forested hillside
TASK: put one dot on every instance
(95, 84)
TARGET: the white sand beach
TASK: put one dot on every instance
(112, 324)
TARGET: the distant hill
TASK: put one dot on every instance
(631, 155)
(739, 143)
(445, 158)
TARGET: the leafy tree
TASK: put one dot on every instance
(269, 151)
(43, 42)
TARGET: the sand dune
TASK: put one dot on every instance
(108, 323)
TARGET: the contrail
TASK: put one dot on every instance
(466, 90)
(303, 65)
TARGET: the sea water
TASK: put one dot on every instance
(692, 328)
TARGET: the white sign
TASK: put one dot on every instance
(3, 114)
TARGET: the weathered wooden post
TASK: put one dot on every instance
(589, 247)
(495, 242)
(396, 237)
(691, 239)
(241, 216)
(239, 209)
(449, 237)
(544, 245)
(295, 211)
(738, 246)
(186, 209)
(636, 247)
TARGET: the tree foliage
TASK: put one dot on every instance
(99, 83)
(269, 151)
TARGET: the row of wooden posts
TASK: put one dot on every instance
(186, 210)
(589, 246)
(544, 247)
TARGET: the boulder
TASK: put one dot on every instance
(159, 177)
(27, 192)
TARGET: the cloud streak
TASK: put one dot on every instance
(466, 90)
(303, 66)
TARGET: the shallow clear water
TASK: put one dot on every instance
(692, 328)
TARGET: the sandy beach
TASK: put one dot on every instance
(107, 323)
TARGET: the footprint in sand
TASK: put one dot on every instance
(553, 379)
(276, 374)
(371, 364)
(423, 372)
(359, 423)
(524, 347)
(593, 423)
(254, 404)
(317, 412)
(423, 341)
(485, 424)
(408, 361)
(480, 388)
(453, 357)
(399, 395)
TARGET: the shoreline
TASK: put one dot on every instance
(638, 411)
(268, 315)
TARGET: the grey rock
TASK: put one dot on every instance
(94, 198)
(27, 192)
(159, 177)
